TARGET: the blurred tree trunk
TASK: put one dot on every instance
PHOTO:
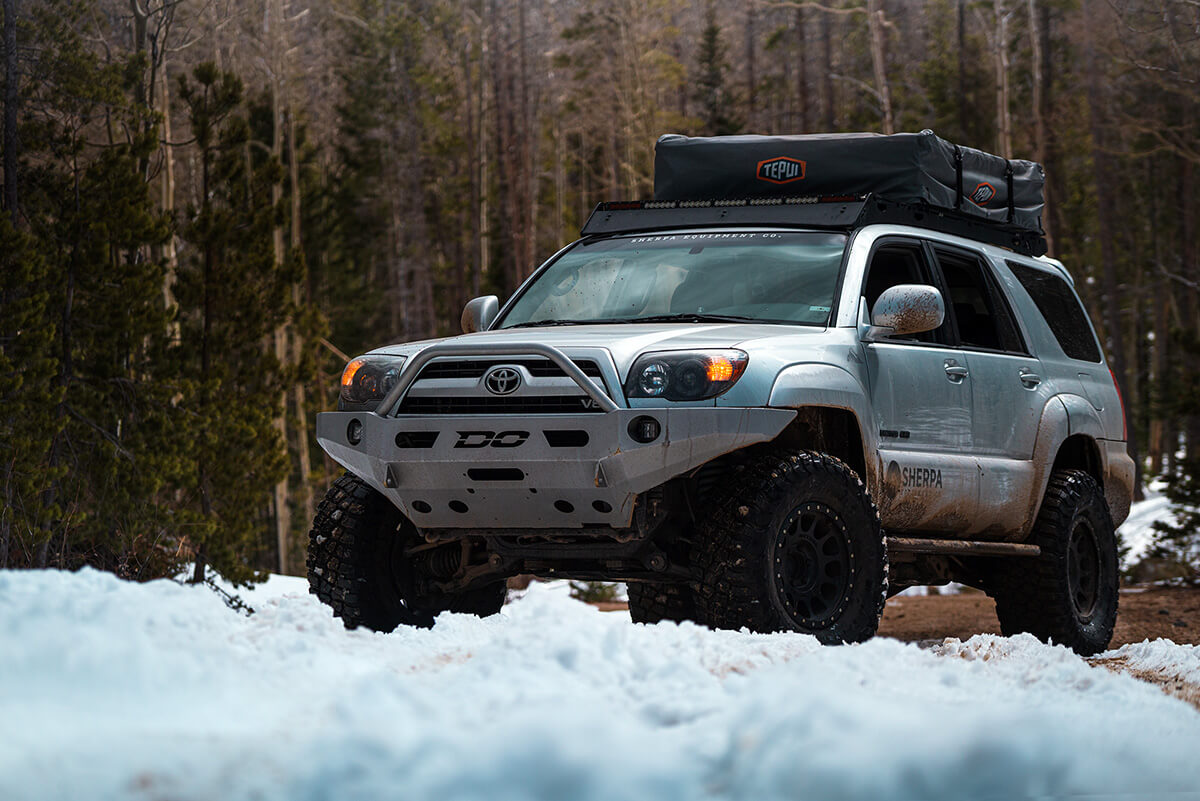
(1191, 272)
(12, 102)
(964, 113)
(1000, 53)
(802, 118)
(1039, 102)
(751, 74)
(273, 36)
(1106, 219)
(1159, 438)
(875, 23)
(827, 99)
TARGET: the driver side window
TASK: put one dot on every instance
(898, 263)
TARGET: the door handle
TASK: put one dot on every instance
(955, 371)
(1028, 378)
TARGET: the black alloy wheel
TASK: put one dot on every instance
(813, 565)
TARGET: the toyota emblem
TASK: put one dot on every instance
(502, 381)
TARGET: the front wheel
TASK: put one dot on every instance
(1068, 595)
(358, 565)
(796, 545)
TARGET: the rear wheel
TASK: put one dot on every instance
(1068, 594)
(796, 545)
(358, 564)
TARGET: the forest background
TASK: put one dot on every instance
(209, 205)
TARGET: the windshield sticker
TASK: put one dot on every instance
(697, 237)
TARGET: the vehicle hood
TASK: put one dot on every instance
(625, 342)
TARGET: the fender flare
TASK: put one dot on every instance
(820, 384)
(1082, 416)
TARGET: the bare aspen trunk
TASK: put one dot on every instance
(474, 108)
(1039, 102)
(560, 182)
(875, 21)
(827, 72)
(299, 396)
(167, 199)
(802, 118)
(1003, 115)
(751, 76)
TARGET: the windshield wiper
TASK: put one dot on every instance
(688, 317)
(682, 317)
(540, 323)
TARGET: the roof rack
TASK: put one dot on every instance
(833, 212)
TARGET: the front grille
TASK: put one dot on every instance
(475, 368)
(533, 404)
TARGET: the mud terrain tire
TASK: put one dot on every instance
(1068, 595)
(795, 545)
(356, 564)
(653, 601)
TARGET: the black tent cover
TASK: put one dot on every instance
(917, 168)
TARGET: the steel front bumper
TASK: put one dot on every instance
(522, 472)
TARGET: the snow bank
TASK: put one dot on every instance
(1137, 532)
(112, 690)
(1161, 657)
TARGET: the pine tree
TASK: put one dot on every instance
(235, 296)
(80, 481)
(1178, 542)
(715, 102)
(27, 394)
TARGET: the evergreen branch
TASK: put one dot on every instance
(99, 430)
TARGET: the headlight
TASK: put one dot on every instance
(366, 380)
(685, 375)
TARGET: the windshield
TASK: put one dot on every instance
(761, 276)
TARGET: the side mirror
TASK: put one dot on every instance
(906, 309)
(480, 313)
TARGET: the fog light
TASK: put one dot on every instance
(644, 429)
(354, 432)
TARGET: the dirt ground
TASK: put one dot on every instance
(1172, 613)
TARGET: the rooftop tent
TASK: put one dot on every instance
(919, 168)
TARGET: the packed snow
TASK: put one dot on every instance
(116, 690)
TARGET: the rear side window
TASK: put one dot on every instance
(1061, 310)
(979, 308)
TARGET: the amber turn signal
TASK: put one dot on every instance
(720, 369)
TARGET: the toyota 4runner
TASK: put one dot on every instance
(767, 412)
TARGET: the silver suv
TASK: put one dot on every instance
(765, 418)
